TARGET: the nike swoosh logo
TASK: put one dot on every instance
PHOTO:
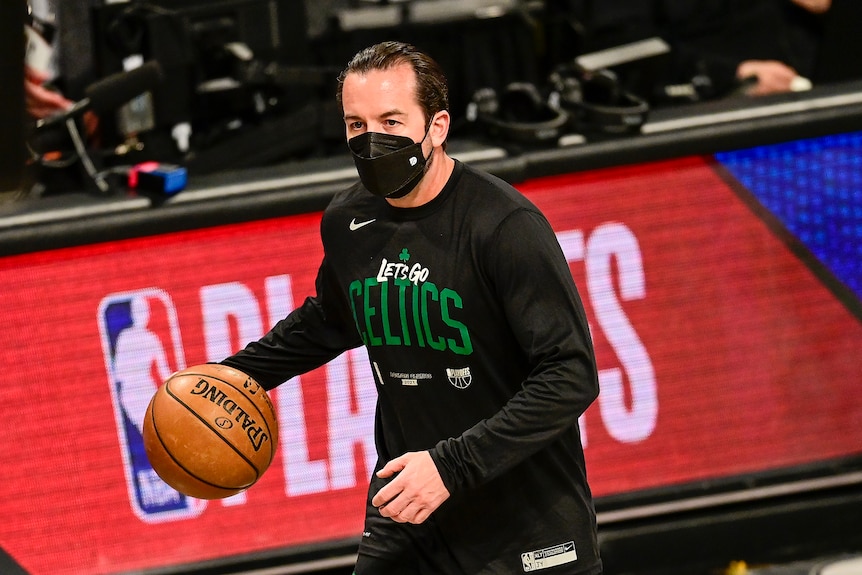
(354, 225)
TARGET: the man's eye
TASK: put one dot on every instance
(356, 125)
(391, 122)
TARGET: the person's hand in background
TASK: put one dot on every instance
(814, 6)
(770, 77)
(40, 101)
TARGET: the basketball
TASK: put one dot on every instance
(210, 431)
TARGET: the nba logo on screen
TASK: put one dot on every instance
(142, 347)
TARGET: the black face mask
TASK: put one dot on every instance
(389, 166)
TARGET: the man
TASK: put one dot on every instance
(477, 338)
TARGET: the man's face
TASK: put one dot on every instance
(383, 101)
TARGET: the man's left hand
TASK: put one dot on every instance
(415, 493)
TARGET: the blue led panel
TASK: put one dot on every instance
(814, 187)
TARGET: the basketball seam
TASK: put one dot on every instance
(219, 435)
(183, 467)
(259, 412)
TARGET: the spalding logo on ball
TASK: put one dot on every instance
(210, 431)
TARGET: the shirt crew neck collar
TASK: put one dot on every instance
(425, 209)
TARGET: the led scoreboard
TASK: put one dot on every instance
(723, 294)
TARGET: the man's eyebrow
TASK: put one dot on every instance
(384, 115)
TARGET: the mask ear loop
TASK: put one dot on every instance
(425, 137)
(427, 161)
(431, 153)
(428, 129)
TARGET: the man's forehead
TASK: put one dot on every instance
(401, 74)
(388, 90)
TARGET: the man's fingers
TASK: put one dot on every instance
(407, 514)
(414, 493)
(391, 468)
(388, 493)
(382, 499)
(390, 508)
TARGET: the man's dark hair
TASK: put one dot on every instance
(432, 90)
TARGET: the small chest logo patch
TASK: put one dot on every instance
(549, 557)
(460, 378)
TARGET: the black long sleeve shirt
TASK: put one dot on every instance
(482, 356)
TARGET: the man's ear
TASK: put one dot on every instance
(439, 130)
